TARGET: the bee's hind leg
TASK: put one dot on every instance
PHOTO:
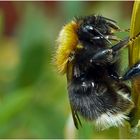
(133, 72)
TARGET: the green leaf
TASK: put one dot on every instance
(32, 63)
(13, 103)
(32, 42)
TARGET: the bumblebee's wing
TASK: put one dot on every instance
(75, 116)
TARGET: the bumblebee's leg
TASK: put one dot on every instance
(133, 72)
(120, 45)
(109, 55)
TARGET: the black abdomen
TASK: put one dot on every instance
(95, 93)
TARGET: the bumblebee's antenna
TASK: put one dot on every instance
(108, 19)
(102, 36)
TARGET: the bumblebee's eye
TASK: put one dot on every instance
(88, 29)
(85, 32)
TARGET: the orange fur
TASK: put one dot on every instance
(67, 42)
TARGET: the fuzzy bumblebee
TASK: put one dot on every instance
(86, 55)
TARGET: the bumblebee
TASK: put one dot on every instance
(87, 56)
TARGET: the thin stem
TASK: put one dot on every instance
(132, 128)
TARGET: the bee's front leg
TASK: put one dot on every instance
(103, 56)
(109, 55)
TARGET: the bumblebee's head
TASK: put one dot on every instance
(94, 30)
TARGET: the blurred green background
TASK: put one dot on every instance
(33, 96)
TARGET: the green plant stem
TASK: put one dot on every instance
(132, 129)
(134, 56)
(124, 132)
